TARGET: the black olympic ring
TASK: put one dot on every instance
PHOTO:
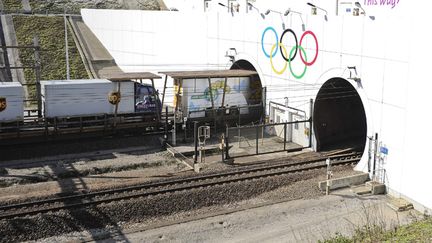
(295, 37)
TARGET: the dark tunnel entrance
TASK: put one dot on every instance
(339, 117)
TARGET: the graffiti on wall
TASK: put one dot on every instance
(235, 95)
(290, 56)
(215, 91)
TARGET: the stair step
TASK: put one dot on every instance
(399, 204)
(362, 190)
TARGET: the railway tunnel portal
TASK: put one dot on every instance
(339, 117)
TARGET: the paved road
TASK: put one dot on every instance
(295, 221)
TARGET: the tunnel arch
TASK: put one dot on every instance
(339, 117)
(243, 64)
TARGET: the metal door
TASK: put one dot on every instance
(298, 131)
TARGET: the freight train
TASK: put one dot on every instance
(77, 107)
(97, 96)
(73, 98)
(85, 106)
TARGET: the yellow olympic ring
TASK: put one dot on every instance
(271, 58)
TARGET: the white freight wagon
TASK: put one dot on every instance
(11, 101)
(69, 98)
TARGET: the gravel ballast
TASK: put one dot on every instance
(146, 211)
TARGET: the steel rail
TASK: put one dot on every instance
(175, 185)
(174, 181)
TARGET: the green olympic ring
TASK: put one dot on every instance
(290, 56)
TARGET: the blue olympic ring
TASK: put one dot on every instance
(262, 41)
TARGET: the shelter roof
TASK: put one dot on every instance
(129, 76)
(210, 74)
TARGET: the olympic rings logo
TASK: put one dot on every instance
(293, 52)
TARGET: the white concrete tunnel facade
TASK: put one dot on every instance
(390, 54)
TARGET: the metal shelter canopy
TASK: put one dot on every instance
(210, 74)
(129, 76)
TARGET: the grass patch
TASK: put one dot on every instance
(59, 6)
(56, 7)
(12, 5)
(418, 231)
(51, 39)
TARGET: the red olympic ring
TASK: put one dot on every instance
(316, 48)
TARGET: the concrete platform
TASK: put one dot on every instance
(187, 150)
(344, 181)
(243, 146)
(213, 155)
(376, 187)
(370, 187)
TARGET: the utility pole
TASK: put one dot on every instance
(66, 45)
(37, 74)
(311, 104)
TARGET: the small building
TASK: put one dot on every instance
(217, 95)
(297, 132)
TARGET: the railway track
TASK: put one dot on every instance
(169, 186)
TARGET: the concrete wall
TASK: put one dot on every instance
(388, 53)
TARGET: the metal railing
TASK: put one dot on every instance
(242, 141)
